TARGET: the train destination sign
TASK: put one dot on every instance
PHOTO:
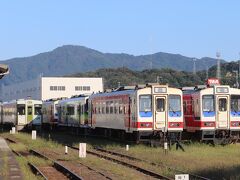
(222, 89)
(160, 90)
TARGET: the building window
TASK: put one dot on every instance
(78, 88)
(61, 88)
(82, 88)
(57, 88)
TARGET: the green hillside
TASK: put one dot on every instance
(74, 59)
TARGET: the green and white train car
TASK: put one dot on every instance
(73, 112)
(21, 113)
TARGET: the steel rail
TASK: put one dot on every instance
(132, 166)
(152, 163)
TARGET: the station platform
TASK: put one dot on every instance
(9, 167)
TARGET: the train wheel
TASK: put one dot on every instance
(222, 141)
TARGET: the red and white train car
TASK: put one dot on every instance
(212, 112)
(140, 113)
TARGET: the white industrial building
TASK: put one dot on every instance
(44, 88)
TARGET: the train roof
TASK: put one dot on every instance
(20, 101)
(113, 93)
(73, 99)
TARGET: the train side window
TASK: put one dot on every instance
(160, 104)
(107, 108)
(115, 108)
(185, 107)
(79, 109)
(120, 109)
(70, 110)
(111, 107)
(193, 106)
(125, 110)
(222, 104)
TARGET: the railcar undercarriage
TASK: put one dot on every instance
(217, 137)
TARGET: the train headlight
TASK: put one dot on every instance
(235, 124)
(146, 125)
(174, 124)
(209, 124)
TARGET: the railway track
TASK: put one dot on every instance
(70, 170)
(191, 176)
(127, 163)
(49, 172)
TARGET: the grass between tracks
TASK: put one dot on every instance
(4, 164)
(113, 170)
(219, 162)
(23, 161)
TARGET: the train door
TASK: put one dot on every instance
(222, 111)
(29, 113)
(160, 112)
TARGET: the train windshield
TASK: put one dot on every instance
(21, 109)
(235, 103)
(37, 109)
(208, 103)
(174, 103)
(145, 103)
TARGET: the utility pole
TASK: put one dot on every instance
(159, 79)
(218, 66)
(237, 85)
(238, 68)
(119, 84)
(151, 64)
(206, 72)
(194, 66)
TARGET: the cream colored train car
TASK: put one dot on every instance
(22, 113)
(152, 111)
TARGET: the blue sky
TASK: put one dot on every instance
(188, 27)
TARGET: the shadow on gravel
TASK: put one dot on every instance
(72, 139)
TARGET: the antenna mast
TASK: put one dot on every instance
(218, 65)
(194, 66)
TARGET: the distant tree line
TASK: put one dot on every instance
(113, 77)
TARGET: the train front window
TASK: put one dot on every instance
(145, 103)
(174, 103)
(208, 103)
(235, 103)
(21, 109)
(37, 109)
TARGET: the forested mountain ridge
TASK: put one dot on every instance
(124, 76)
(71, 59)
